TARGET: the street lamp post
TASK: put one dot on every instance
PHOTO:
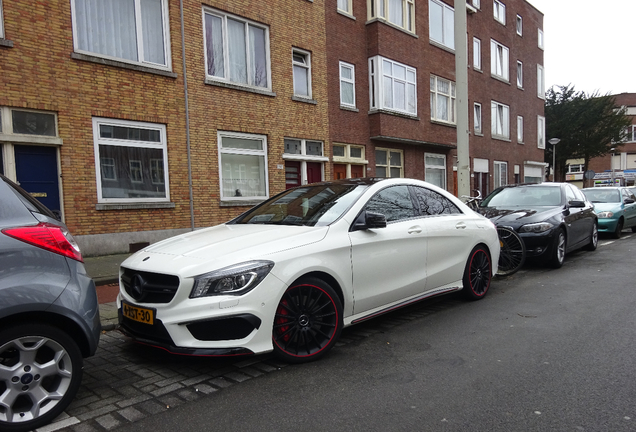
(612, 165)
(554, 142)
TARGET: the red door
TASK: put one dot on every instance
(339, 171)
(314, 172)
(357, 171)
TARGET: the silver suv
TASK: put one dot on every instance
(49, 315)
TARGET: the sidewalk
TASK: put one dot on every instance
(105, 272)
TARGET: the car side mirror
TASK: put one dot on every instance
(369, 220)
(629, 201)
(576, 204)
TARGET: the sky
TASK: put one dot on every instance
(588, 44)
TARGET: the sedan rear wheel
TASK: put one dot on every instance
(619, 229)
(593, 244)
(477, 274)
(308, 321)
(40, 372)
(558, 250)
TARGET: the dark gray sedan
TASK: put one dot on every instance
(49, 316)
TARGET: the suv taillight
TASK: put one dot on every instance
(47, 236)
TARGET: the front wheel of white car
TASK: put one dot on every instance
(40, 373)
(308, 321)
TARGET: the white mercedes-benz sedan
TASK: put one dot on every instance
(290, 273)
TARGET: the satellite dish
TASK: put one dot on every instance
(589, 174)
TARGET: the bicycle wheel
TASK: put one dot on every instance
(513, 251)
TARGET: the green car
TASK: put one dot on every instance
(615, 208)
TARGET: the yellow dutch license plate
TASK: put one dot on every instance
(138, 314)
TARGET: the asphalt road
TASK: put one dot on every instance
(545, 350)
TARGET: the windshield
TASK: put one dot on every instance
(524, 196)
(310, 206)
(601, 195)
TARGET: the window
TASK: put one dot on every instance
(477, 119)
(541, 132)
(519, 25)
(435, 169)
(394, 202)
(1, 26)
(388, 163)
(540, 38)
(477, 3)
(576, 168)
(519, 129)
(236, 50)
(441, 23)
(345, 6)
(301, 61)
(400, 13)
(500, 120)
(498, 60)
(630, 134)
(349, 161)
(33, 123)
(131, 161)
(393, 86)
(130, 31)
(304, 161)
(347, 85)
(442, 100)
(499, 11)
(477, 53)
(243, 166)
(519, 74)
(500, 174)
(540, 82)
(432, 203)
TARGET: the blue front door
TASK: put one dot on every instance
(36, 172)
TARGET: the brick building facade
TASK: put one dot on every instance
(136, 124)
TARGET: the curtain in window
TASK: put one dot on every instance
(214, 45)
(343, 5)
(435, 176)
(396, 12)
(237, 51)
(449, 27)
(107, 27)
(435, 18)
(346, 85)
(243, 175)
(258, 59)
(301, 79)
(152, 31)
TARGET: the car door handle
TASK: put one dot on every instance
(460, 225)
(415, 230)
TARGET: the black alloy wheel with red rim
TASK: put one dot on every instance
(308, 321)
(478, 274)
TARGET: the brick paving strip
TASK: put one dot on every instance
(125, 382)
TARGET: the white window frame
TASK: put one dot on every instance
(388, 166)
(519, 74)
(1, 22)
(306, 66)
(478, 119)
(576, 168)
(348, 8)
(136, 171)
(476, 53)
(377, 87)
(161, 145)
(303, 158)
(140, 38)
(246, 152)
(447, 24)
(226, 78)
(349, 160)
(351, 81)
(520, 129)
(500, 120)
(499, 11)
(451, 109)
(541, 132)
(435, 167)
(156, 168)
(519, 25)
(477, 3)
(499, 60)
(108, 162)
(631, 134)
(380, 9)
(500, 169)
(540, 82)
(540, 42)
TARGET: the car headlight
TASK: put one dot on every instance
(536, 227)
(233, 280)
(605, 214)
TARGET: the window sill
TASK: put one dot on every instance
(123, 65)
(443, 123)
(6, 43)
(304, 100)
(394, 113)
(403, 30)
(442, 46)
(134, 206)
(250, 203)
(31, 139)
(479, 134)
(345, 14)
(520, 88)
(347, 108)
(501, 138)
(256, 90)
(498, 78)
(478, 70)
(521, 142)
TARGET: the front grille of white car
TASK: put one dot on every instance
(147, 287)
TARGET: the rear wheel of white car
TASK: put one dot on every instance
(308, 321)
(477, 274)
(40, 373)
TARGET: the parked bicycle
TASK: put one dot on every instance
(512, 253)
